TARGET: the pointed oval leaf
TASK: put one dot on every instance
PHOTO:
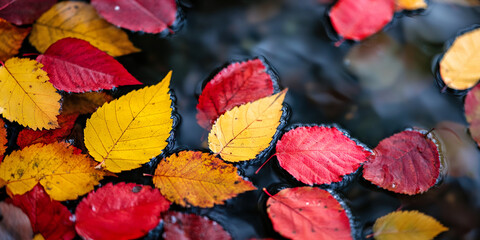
(84, 103)
(407, 162)
(14, 224)
(472, 112)
(308, 213)
(138, 15)
(79, 20)
(63, 173)
(410, 5)
(74, 65)
(198, 179)
(411, 225)
(3, 139)
(22, 12)
(319, 154)
(129, 131)
(245, 131)
(237, 84)
(11, 39)
(190, 226)
(121, 211)
(27, 96)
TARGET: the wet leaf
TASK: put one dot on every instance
(190, 226)
(198, 179)
(74, 65)
(79, 20)
(15, 224)
(27, 96)
(138, 15)
(63, 173)
(21, 12)
(11, 39)
(237, 84)
(411, 4)
(319, 154)
(411, 225)
(3, 139)
(472, 112)
(308, 213)
(407, 162)
(129, 131)
(84, 103)
(245, 131)
(121, 211)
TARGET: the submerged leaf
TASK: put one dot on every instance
(84, 103)
(22, 12)
(11, 39)
(190, 226)
(15, 224)
(472, 112)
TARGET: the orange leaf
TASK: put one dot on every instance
(84, 103)
(410, 4)
(11, 39)
(198, 179)
(3, 139)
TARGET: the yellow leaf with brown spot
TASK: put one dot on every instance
(11, 39)
(84, 103)
(198, 179)
(411, 4)
(58, 167)
(245, 131)
(129, 131)
(79, 20)
(26, 95)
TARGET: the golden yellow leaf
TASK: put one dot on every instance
(79, 20)
(198, 179)
(129, 131)
(38, 236)
(459, 66)
(411, 225)
(245, 131)
(84, 103)
(411, 4)
(64, 173)
(11, 39)
(26, 94)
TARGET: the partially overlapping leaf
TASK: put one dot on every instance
(129, 131)
(21, 12)
(411, 4)
(14, 224)
(472, 112)
(84, 103)
(11, 39)
(190, 226)
(198, 179)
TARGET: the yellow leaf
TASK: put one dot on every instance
(411, 4)
(411, 225)
(11, 39)
(84, 103)
(26, 95)
(79, 20)
(129, 131)
(198, 179)
(38, 236)
(459, 66)
(63, 173)
(244, 131)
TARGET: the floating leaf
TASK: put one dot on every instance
(84, 103)
(21, 12)
(190, 226)
(308, 213)
(245, 131)
(411, 4)
(358, 19)
(472, 112)
(121, 211)
(138, 15)
(129, 131)
(64, 174)
(3, 139)
(237, 84)
(198, 179)
(411, 225)
(43, 211)
(11, 39)
(407, 162)
(459, 65)
(319, 154)
(14, 224)
(79, 20)
(27, 96)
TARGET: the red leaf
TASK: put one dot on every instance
(3, 139)
(237, 84)
(358, 19)
(75, 65)
(21, 12)
(319, 155)
(152, 16)
(407, 162)
(28, 137)
(48, 217)
(121, 211)
(308, 213)
(472, 112)
(191, 226)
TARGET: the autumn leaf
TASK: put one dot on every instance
(237, 84)
(14, 224)
(245, 131)
(472, 112)
(64, 174)
(319, 154)
(11, 39)
(138, 15)
(27, 96)
(79, 20)
(129, 131)
(22, 12)
(121, 211)
(3, 139)
(84, 103)
(308, 213)
(198, 179)
(43, 211)
(190, 226)
(459, 66)
(411, 225)
(407, 162)
(411, 4)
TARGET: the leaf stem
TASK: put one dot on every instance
(264, 163)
